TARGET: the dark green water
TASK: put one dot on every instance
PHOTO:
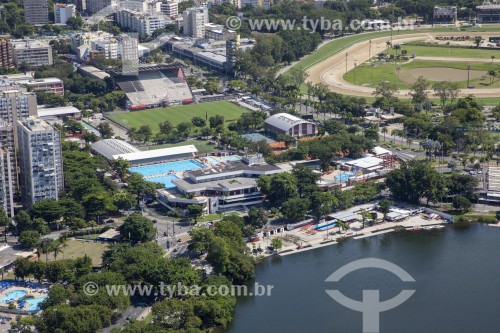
(457, 275)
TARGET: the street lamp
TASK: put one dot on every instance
(346, 55)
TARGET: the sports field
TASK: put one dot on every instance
(371, 74)
(178, 114)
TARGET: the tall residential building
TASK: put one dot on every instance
(5, 53)
(40, 160)
(170, 8)
(8, 167)
(16, 104)
(63, 12)
(36, 11)
(194, 22)
(266, 4)
(232, 47)
(94, 6)
(34, 53)
(81, 5)
(140, 22)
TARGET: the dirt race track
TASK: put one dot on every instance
(331, 71)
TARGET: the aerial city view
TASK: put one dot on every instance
(241, 166)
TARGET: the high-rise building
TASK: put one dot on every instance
(266, 4)
(8, 167)
(5, 53)
(33, 53)
(40, 160)
(36, 11)
(194, 22)
(16, 104)
(170, 8)
(81, 5)
(63, 12)
(232, 46)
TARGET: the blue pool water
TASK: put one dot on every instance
(343, 177)
(13, 295)
(163, 168)
(33, 304)
(213, 160)
(327, 226)
(165, 180)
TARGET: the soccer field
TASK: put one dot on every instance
(178, 114)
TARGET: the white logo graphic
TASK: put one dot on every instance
(370, 306)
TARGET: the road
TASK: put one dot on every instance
(132, 312)
(332, 70)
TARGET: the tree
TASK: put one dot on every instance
(386, 89)
(198, 122)
(29, 239)
(4, 222)
(144, 133)
(446, 91)
(418, 90)
(416, 180)
(256, 217)
(137, 228)
(276, 244)
(218, 254)
(492, 73)
(50, 210)
(121, 167)
(278, 188)
(97, 204)
(200, 239)
(462, 204)
(321, 203)
(477, 40)
(195, 211)
(21, 268)
(295, 209)
(216, 121)
(384, 206)
(105, 129)
(166, 127)
(306, 179)
(123, 200)
(57, 295)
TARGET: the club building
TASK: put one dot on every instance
(226, 186)
(287, 124)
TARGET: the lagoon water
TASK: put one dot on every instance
(457, 275)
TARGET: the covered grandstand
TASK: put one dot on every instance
(154, 86)
(111, 147)
(159, 155)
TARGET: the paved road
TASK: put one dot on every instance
(331, 70)
(132, 312)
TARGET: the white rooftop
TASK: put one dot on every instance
(380, 151)
(47, 112)
(284, 121)
(366, 162)
(158, 153)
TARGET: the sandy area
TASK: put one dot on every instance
(330, 71)
(438, 73)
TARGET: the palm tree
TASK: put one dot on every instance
(64, 244)
(363, 212)
(384, 131)
(492, 57)
(393, 134)
(55, 247)
(492, 73)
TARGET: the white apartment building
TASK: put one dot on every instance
(140, 22)
(63, 12)
(170, 9)
(266, 4)
(194, 22)
(40, 160)
(35, 53)
(16, 104)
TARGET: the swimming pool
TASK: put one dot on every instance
(33, 304)
(324, 226)
(13, 295)
(343, 177)
(165, 180)
(164, 168)
(215, 160)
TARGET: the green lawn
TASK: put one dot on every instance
(372, 74)
(78, 248)
(178, 114)
(203, 146)
(422, 50)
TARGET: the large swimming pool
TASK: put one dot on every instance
(343, 177)
(165, 180)
(165, 168)
(33, 304)
(13, 295)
